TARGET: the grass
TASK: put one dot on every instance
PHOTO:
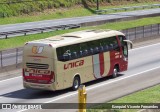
(21, 40)
(150, 95)
(66, 12)
(46, 15)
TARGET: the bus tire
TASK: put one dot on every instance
(76, 83)
(115, 72)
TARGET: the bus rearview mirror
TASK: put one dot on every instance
(129, 42)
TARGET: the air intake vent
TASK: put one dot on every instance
(37, 65)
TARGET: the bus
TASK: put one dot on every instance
(68, 60)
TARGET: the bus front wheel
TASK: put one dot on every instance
(76, 83)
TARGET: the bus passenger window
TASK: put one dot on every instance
(101, 49)
(90, 51)
(74, 55)
(80, 54)
(105, 48)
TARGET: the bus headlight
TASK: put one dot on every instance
(125, 59)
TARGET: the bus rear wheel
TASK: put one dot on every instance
(76, 83)
(115, 72)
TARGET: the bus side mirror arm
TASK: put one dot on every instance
(130, 42)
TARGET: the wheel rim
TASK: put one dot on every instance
(115, 72)
(76, 84)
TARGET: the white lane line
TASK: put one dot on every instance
(129, 50)
(1, 97)
(144, 47)
(98, 85)
(10, 79)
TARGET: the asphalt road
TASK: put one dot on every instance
(143, 72)
(79, 20)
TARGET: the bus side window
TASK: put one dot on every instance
(91, 48)
(74, 51)
(109, 44)
(74, 55)
(64, 53)
(95, 45)
(60, 54)
(114, 44)
(103, 45)
(90, 51)
(67, 53)
(83, 49)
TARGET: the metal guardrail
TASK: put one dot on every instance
(41, 30)
(14, 56)
(5, 35)
(142, 32)
(127, 8)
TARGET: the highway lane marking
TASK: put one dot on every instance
(129, 50)
(144, 46)
(1, 97)
(96, 86)
(10, 79)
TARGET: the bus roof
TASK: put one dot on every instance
(76, 37)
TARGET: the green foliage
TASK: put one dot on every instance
(19, 7)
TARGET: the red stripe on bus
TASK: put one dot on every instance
(101, 62)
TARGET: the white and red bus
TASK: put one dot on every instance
(70, 59)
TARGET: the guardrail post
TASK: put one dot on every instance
(158, 29)
(127, 33)
(1, 59)
(143, 31)
(151, 29)
(135, 32)
(16, 57)
(6, 36)
(82, 95)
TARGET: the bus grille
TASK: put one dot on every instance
(37, 65)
